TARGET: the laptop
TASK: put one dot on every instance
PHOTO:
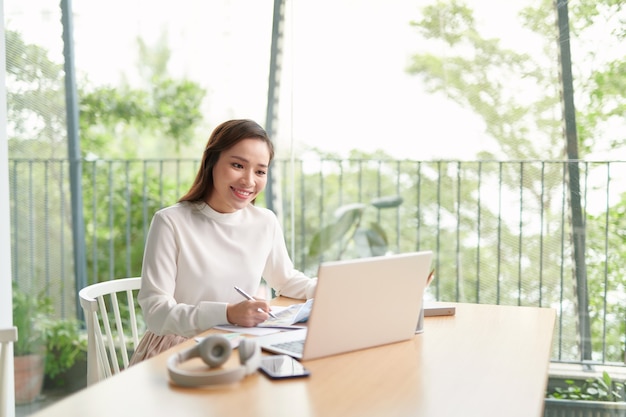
(358, 304)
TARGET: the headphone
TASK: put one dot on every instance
(214, 351)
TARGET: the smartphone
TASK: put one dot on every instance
(282, 367)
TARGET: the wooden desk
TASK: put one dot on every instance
(485, 361)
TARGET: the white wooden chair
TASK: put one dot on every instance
(7, 336)
(111, 317)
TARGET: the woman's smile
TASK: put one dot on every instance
(239, 175)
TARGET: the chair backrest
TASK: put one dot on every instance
(111, 317)
(7, 336)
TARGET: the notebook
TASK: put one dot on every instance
(359, 303)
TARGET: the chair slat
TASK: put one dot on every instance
(119, 333)
(110, 343)
(133, 319)
(108, 326)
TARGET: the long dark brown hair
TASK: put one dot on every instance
(224, 137)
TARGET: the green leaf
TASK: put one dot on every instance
(377, 242)
(348, 214)
(321, 241)
(29, 316)
(347, 217)
(361, 244)
(387, 202)
(371, 241)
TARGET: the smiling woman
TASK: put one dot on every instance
(239, 175)
(236, 148)
(213, 240)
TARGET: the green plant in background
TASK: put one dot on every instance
(348, 233)
(66, 344)
(601, 388)
(30, 314)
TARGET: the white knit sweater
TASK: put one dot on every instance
(194, 256)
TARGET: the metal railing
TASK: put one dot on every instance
(500, 231)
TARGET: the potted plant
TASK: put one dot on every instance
(66, 355)
(30, 313)
(599, 396)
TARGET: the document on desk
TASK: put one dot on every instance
(286, 319)
(289, 316)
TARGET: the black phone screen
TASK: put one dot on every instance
(282, 366)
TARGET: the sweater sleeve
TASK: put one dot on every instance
(280, 273)
(162, 313)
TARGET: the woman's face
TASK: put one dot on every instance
(239, 175)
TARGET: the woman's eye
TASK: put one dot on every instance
(236, 165)
(261, 173)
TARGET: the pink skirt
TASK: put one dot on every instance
(151, 345)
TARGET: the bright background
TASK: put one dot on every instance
(344, 84)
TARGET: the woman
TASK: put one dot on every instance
(212, 240)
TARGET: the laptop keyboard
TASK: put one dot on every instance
(296, 346)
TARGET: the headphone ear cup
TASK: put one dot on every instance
(249, 355)
(215, 350)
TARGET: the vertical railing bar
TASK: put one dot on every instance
(378, 186)
(285, 208)
(360, 162)
(304, 212)
(62, 212)
(418, 211)
(399, 170)
(586, 187)
(161, 187)
(562, 270)
(321, 200)
(478, 226)
(606, 253)
(342, 244)
(341, 179)
(438, 244)
(46, 215)
(520, 233)
(127, 192)
(541, 231)
(499, 238)
(111, 247)
(458, 229)
(144, 200)
(178, 179)
(31, 235)
(287, 178)
(94, 217)
(15, 242)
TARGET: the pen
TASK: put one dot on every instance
(249, 297)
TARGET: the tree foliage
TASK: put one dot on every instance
(155, 118)
(35, 100)
(518, 97)
(158, 117)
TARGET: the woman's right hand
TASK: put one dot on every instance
(247, 313)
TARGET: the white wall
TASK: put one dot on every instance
(6, 303)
